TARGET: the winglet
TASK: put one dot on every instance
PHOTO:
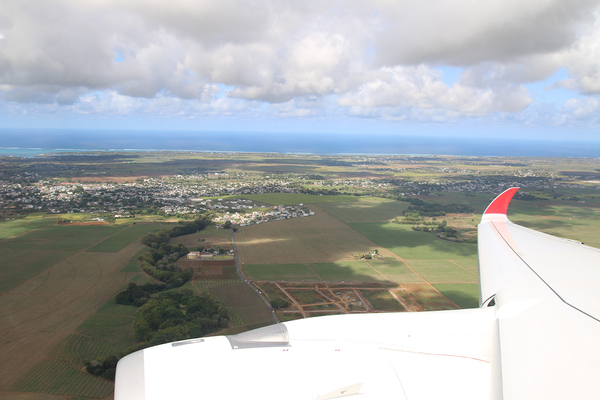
(500, 203)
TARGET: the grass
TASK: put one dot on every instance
(54, 377)
(406, 243)
(394, 270)
(469, 264)
(366, 209)
(19, 266)
(116, 327)
(440, 271)
(22, 225)
(122, 238)
(308, 296)
(382, 300)
(131, 267)
(320, 307)
(348, 271)
(465, 295)
(316, 239)
(426, 297)
(272, 292)
(291, 199)
(76, 348)
(110, 307)
(280, 272)
(65, 237)
(245, 302)
(284, 317)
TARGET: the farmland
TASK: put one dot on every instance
(292, 251)
(311, 239)
(56, 306)
(57, 280)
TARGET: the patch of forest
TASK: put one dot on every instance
(165, 315)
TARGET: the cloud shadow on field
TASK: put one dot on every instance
(408, 244)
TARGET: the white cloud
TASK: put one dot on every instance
(422, 87)
(376, 59)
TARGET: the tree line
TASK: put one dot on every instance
(427, 209)
(165, 315)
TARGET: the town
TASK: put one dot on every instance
(60, 185)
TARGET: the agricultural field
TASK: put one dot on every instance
(122, 238)
(55, 307)
(280, 272)
(245, 302)
(245, 307)
(407, 257)
(290, 199)
(382, 300)
(365, 210)
(408, 244)
(222, 239)
(316, 239)
(464, 295)
(57, 281)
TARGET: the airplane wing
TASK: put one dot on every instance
(533, 338)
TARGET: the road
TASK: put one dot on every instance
(249, 283)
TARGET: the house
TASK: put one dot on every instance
(193, 255)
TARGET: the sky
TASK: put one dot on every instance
(501, 68)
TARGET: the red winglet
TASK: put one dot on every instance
(500, 203)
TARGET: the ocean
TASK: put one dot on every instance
(32, 142)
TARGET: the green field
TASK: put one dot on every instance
(348, 271)
(272, 292)
(465, 295)
(382, 300)
(108, 332)
(366, 209)
(17, 267)
(19, 226)
(245, 302)
(395, 271)
(122, 238)
(291, 199)
(308, 296)
(54, 377)
(289, 316)
(441, 271)
(427, 297)
(116, 327)
(408, 244)
(76, 348)
(280, 272)
(54, 237)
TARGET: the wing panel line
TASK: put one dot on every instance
(538, 275)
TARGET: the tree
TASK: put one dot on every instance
(279, 303)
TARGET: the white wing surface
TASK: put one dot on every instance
(547, 300)
(535, 337)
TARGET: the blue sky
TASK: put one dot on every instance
(498, 68)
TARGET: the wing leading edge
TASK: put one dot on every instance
(534, 337)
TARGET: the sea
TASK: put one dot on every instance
(36, 142)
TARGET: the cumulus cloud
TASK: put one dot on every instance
(422, 87)
(464, 33)
(376, 59)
